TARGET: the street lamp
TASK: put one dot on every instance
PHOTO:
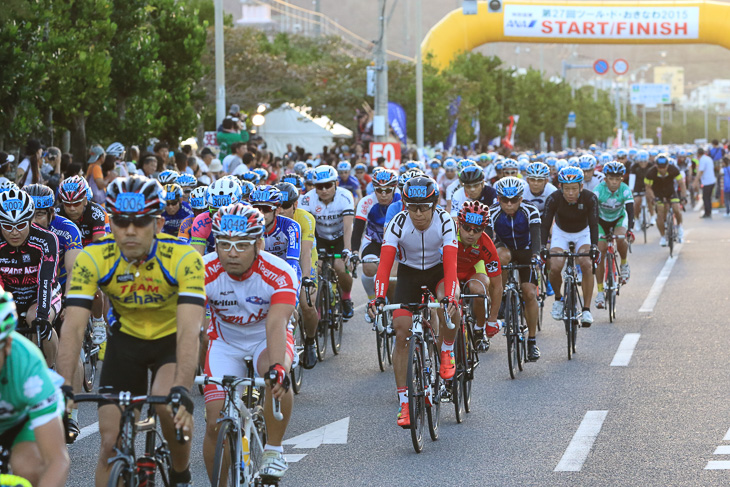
(258, 119)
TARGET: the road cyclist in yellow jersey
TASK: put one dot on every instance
(308, 263)
(156, 286)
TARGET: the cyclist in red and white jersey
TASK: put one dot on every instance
(251, 294)
(423, 237)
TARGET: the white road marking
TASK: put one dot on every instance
(359, 307)
(722, 450)
(625, 350)
(718, 465)
(294, 457)
(727, 436)
(661, 280)
(88, 431)
(580, 446)
(330, 434)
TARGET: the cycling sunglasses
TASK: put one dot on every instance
(264, 208)
(471, 228)
(139, 222)
(419, 207)
(474, 185)
(73, 205)
(239, 245)
(9, 227)
(384, 190)
(510, 172)
(513, 201)
(324, 186)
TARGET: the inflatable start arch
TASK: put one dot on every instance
(579, 22)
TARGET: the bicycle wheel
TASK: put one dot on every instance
(416, 391)
(471, 363)
(610, 284)
(297, 373)
(256, 444)
(336, 321)
(380, 344)
(121, 474)
(322, 326)
(568, 311)
(457, 383)
(511, 336)
(90, 359)
(542, 289)
(433, 380)
(521, 342)
(669, 230)
(644, 224)
(226, 454)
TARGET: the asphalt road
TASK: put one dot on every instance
(656, 421)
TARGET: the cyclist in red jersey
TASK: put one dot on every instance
(477, 258)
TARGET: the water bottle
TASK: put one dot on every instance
(146, 467)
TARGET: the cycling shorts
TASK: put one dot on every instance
(223, 358)
(478, 268)
(659, 198)
(372, 249)
(561, 239)
(524, 257)
(17, 434)
(605, 227)
(335, 246)
(55, 305)
(410, 280)
(128, 360)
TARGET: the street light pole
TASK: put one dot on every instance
(318, 24)
(220, 70)
(380, 122)
(419, 77)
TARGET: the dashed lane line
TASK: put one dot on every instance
(580, 446)
(625, 350)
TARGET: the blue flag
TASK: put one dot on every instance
(397, 118)
(454, 114)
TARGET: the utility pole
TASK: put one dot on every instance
(220, 69)
(419, 76)
(707, 114)
(318, 24)
(380, 121)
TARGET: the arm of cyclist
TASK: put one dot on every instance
(276, 340)
(629, 208)
(382, 278)
(51, 441)
(46, 277)
(347, 219)
(357, 231)
(450, 256)
(68, 260)
(547, 217)
(494, 271)
(648, 189)
(682, 188)
(593, 218)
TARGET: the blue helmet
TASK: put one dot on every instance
(465, 163)
(384, 177)
(622, 153)
(605, 158)
(310, 176)
(360, 167)
(198, 199)
(510, 164)
(570, 174)
(434, 164)
(661, 159)
(266, 195)
(251, 177)
(450, 164)
(537, 170)
(403, 179)
(642, 155)
(499, 165)
(300, 167)
(653, 152)
(560, 164)
(344, 166)
(614, 168)
(173, 193)
(523, 163)
(471, 175)
(293, 179)
(325, 174)
(510, 187)
(187, 180)
(263, 173)
(587, 162)
(247, 187)
(168, 177)
(551, 161)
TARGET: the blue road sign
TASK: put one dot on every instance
(601, 66)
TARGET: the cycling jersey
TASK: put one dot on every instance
(663, 186)
(201, 233)
(637, 174)
(538, 200)
(329, 217)
(393, 209)
(487, 197)
(571, 218)
(420, 250)
(94, 221)
(185, 226)
(308, 226)
(351, 184)
(443, 182)
(597, 179)
(517, 232)
(239, 305)
(284, 242)
(29, 271)
(144, 295)
(451, 189)
(370, 218)
(69, 238)
(612, 206)
(174, 222)
(483, 251)
(28, 393)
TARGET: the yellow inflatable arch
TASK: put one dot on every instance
(578, 22)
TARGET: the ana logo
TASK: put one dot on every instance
(256, 300)
(522, 24)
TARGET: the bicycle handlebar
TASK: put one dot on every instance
(121, 398)
(233, 382)
(415, 307)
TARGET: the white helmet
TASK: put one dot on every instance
(223, 192)
(116, 149)
(16, 206)
(325, 174)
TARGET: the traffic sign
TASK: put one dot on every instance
(571, 121)
(650, 94)
(388, 150)
(600, 66)
(620, 66)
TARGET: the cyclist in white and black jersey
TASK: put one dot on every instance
(453, 187)
(423, 237)
(333, 209)
(538, 188)
(591, 178)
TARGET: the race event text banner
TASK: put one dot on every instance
(601, 22)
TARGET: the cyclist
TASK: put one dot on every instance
(333, 209)
(454, 186)
(615, 215)
(448, 177)
(308, 261)
(282, 235)
(478, 262)
(370, 225)
(424, 239)
(309, 179)
(188, 183)
(198, 204)
(30, 425)
(251, 294)
(515, 224)
(591, 178)
(168, 177)
(397, 206)
(28, 261)
(660, 187)
(156, 286)
(575, 211)
(637, 174)
(473, 189)
(222, 192)
(511, 167)
(538, 187)
(348, 181)
(176, 210)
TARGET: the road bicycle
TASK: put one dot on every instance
(239, 448)
(153, 467)
(670, 225)
(425, 387)
(329, 306)
(465, 352)
(541, 295)
(297, 370)
(613, 280)
(572, 300)
(89, 358)
(644, 218)
(384, 334)
(515, 327)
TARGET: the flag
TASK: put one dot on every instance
(477, 128)
(397, 118)
(454, 114)
(509, 139)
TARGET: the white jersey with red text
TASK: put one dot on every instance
(420, 249)
(239, 306)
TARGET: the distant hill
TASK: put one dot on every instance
(701, 62)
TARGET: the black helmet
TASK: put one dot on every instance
(471, 175)
(42, 195)
(420, 189)
(289, 193)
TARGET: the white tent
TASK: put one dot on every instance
(292, 125)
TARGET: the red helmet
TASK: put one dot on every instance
(73, 189)
(474, 213)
